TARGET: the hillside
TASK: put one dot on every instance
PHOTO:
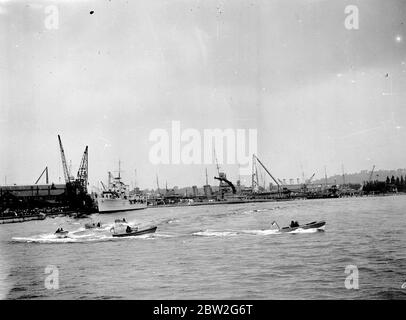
(362, 176)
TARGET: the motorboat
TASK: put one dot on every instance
(319, 225)
(120, 221)
(92, 225)
(60, 233)
(133, 231)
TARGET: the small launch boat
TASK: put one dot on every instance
(134, 231)
(60, 233)
(319, 225)
(92, 225)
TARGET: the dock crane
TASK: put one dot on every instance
(46, 176)
(372, 172)
(66, 172)
(104, 187)
(223, 179)
(254, 176)
(217, 164)
(76, 188)
(267, 171)
(82, 175)
(311, 178)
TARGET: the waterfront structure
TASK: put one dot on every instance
(116, 197)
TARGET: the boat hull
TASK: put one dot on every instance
(118, 205)
(14, 219)
(135, 233)
(312, 225)
(62, 234)
(92, 226)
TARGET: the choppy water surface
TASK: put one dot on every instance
(221, 251)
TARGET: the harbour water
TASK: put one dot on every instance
(215, 252)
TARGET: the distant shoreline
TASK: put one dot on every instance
(195, 204)
(19, 219)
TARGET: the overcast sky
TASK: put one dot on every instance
(318, 94)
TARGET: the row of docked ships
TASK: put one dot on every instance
(116, 197)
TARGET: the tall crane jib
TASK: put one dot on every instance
(64, 165)
(372, 172)
(46, 176)
(311, 178)
(267, 171)
(76, 188)
(82, 176)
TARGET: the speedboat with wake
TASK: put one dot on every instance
(60, 233)
(319, 225)
(92, 225)
(123, 229)
(134, 231)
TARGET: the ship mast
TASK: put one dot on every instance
(342, 167)
(109, 179)
(119, 169)
(157, 183)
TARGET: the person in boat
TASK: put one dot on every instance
(294, 224)
(128, 229)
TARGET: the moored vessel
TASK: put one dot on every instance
(116, 197)
(109, 202)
